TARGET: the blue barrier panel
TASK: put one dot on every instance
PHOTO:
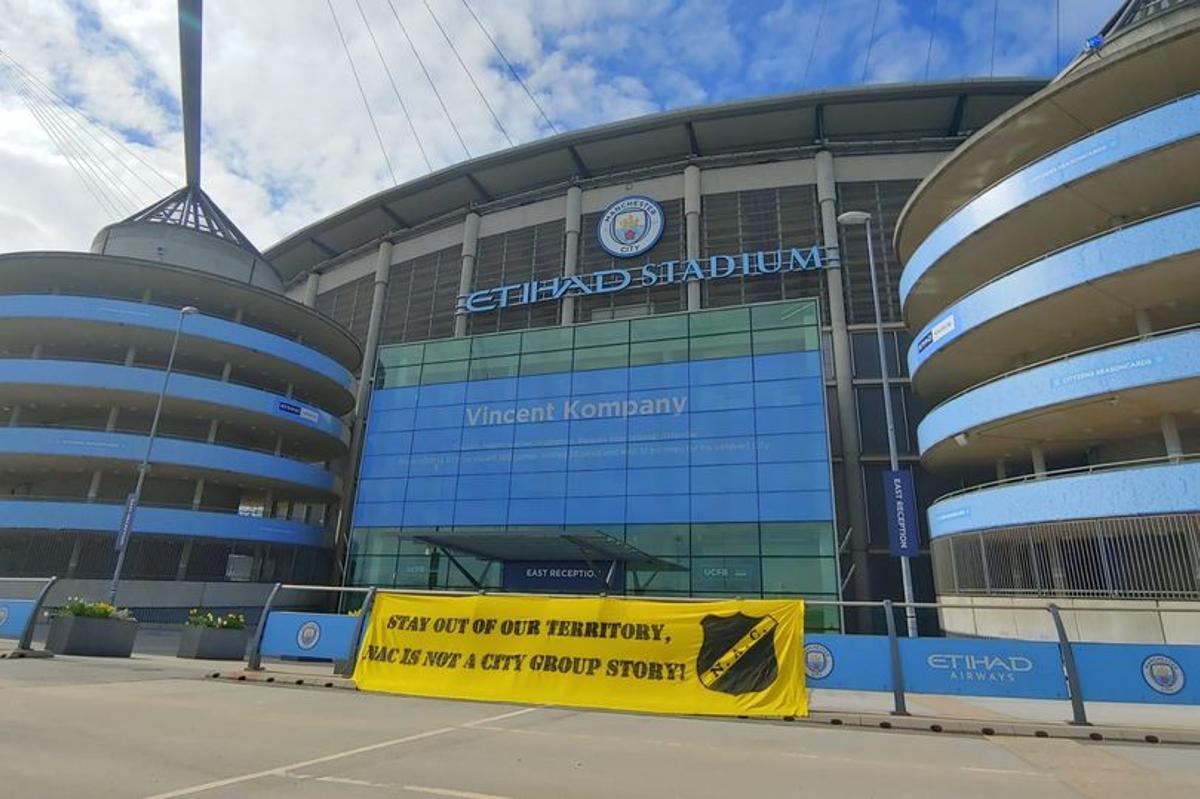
(1031, 669)
(319, 636)
(848, 662)
(14, 615)
(1157, 673)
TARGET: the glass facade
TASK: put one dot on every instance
(698, 440)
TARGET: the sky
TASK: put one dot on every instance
(287, 139)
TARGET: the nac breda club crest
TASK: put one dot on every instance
(738, 654)
(630, 226)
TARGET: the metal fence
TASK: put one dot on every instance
(1142, 557)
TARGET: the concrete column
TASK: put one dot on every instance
(73, 563)
(1001, 471)
(14, 418)
(110, 424)
(36, 352)
(1039, 460)
(1170, 431)
(184, 558)
(311, 288)
(691, 213)
(860, 588)
(466, 276)
(383, 270)
(574, 222)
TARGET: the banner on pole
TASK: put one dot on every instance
(730, 658)
(126, 528)
(901, 502)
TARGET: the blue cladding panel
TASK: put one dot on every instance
(14, 615)
(1030, 669)
(1154, 673)
(670, 443)
(847, 662)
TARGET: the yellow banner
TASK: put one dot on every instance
(735, 658)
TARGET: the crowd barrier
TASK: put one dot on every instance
(1078, 671)
(19, 615)
(310, 635)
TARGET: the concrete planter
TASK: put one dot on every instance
(80, 635)
(213, 643)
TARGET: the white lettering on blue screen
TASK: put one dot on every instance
(570, 409)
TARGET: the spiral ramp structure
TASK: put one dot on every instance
(244, 477)
(1052, 288)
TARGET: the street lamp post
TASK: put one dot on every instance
(123, 534)
(863, 218)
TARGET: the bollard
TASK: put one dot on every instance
(254, 660)
(1078, 712)
(901, 706)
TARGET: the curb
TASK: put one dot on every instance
(930, 725)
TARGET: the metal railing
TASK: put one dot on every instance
(25, 639)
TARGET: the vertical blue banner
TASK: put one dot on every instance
(900, 500)
(126, 528)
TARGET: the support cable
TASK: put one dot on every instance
(395, 87)
(1057, 35)
(362, 92)
(467, 70)
(812, 51)
(995, 24)
(429, 78)
(94, 188)
(511, 68)
(71, 128)
(871, 40)
(94, 124)
(932, 32)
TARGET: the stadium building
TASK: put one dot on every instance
(682, 278)
(1052, 287)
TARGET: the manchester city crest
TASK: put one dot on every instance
(1163, 674)
(308, 635)
(3, 614)
(738, 654)
(818, 661)
(630, 226)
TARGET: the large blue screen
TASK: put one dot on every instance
(726, 440)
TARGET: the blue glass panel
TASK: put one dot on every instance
(398, 419)
(539, 459)
(482, 486)
(808, 476)
(480, 511)
(718, 424)
(486, 461)
(659, 453)
(381, 490)
(652, 509)
(721, 397)
(658, 481)
(428, 514)
(537, 511)
(790, 419)
(715, 479)
(795, 391)
(443, 394)
(384, 466)
(596, 456)
(488, 437)
(725, 370)
(432, 463)
(657, 428)
(713, 451)
(792, 447)
(392, 398)
(432, 488)
(504, 388)
(384, 443)
(542, 434)
(437, 440)
(537, 386)
(595, 510)
(599, 483)
(727, 507)
(439, 416)
(798, 506)
(541, 485)
(598, 431)
(379, 514)
(661, 376)
(787, 364)
(600, 381)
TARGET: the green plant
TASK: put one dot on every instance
(76, 606)
(206, 618)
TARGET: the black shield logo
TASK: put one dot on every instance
(738, 654)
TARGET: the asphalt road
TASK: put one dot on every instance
(72, 727)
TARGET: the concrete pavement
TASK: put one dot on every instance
(154, 726)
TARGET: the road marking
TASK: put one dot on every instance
(453, 793)
(1005, 771)
(280, 770)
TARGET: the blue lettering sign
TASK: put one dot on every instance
(566, 576)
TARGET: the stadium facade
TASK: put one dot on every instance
(1052, 287)
(730, 209)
